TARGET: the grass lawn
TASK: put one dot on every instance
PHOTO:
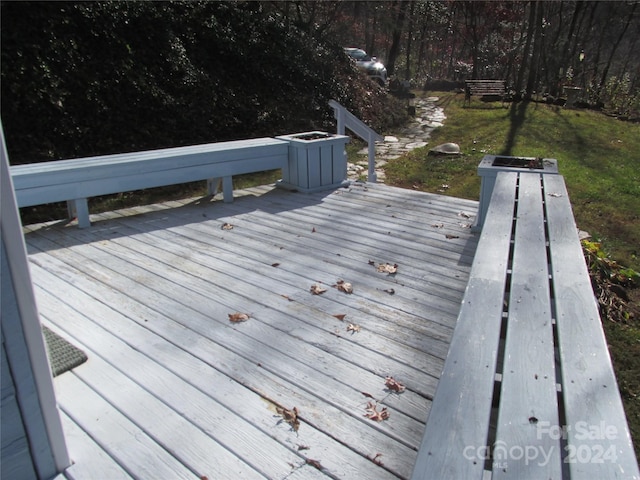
(598, 156)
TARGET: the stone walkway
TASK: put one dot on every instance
(413, 135)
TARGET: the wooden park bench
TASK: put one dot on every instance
(528, 389)
(481, 88)
(76, 180)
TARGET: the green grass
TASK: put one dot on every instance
(599, 157)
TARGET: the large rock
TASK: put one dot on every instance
(446, 149)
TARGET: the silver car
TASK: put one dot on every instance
(368, 64)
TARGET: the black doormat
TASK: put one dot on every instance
(62, 355)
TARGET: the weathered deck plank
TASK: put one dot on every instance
(146, 292)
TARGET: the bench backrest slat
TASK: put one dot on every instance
(594, 410)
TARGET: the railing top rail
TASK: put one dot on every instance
(354, 124)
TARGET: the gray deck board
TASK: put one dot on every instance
(173, 389)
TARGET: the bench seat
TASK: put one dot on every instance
(76, 180)
(528, 390)
(481, 88)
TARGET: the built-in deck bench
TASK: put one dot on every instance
(528, 390)
(481, 88)
(76, 180)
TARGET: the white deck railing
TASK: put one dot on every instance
(346, 119)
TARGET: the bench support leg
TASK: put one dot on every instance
(213, 186)
(227, 189)
(79, 208)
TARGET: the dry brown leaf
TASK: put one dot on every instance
(437, 225)
(227, 226)
(555, 195)
(317, 289)
(353, 328)
(313, 230)
(374, 414)
(290, 416)
(394, 385)
(390, 291)
(314, 463)
(464, 215)
(387, 268)
(340, 316)
(343, 286)
(239, 317)
(275, 264)
(376, 460)
(448, 235)
(371, 262)
(288, 298)
(368, 395)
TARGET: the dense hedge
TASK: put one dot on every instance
(88, 78)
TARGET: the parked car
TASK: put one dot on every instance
(375, 69)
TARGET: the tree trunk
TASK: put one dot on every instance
(407, 68)
(527, 47)
(394, 50)
(605, 72)
(535, 58)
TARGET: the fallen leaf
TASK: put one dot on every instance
(303, 447)
(555, 194)
(387, 268)
(343, 286)
(374, 414)
(371, 262)
(290, 416)
(390, 291)
(340, 316)
(275, 264)
(464, 215)
(449, 236)
(437, 225)
(377, 460)
(317, 289)
(353, 328)
(314, 463)
(313, 230)
(368, 395)
(227, 226)
(287, 297)
(394, 385)
(239, 317)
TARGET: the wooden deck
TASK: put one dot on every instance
(173, 389)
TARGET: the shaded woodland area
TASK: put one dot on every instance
(535, 46)
(85, 78)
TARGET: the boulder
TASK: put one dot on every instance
(446, 149)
